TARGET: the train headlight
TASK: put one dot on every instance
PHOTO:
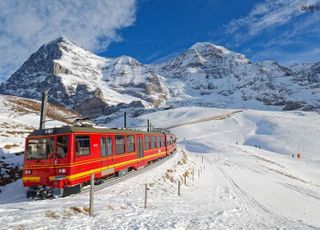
(27, 172)
(62, 170)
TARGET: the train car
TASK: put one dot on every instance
(60, 161)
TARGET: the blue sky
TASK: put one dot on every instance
(156, 30)
(165, 28)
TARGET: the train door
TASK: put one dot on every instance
(140, 151)
(61, 154)
(106, 153)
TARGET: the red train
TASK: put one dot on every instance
(59, 161)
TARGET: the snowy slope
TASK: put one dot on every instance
(241, 187)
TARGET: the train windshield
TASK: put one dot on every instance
(38, 149)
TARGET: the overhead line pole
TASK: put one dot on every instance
(43, 111)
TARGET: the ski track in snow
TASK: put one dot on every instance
(241, 187)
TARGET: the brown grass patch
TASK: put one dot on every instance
(52, 214)
(184, 159)
(21, 227)
(17, 132)
(23, 106)
(8, 146)
(168, 177)
(76, 210)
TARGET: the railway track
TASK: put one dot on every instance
(115, 180)
(215, 117)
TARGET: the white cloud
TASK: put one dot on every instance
(286, 58)
(266, 15)
(26, 25)
(276, 30)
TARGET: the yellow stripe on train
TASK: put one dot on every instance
(98, 170)
(31, 178)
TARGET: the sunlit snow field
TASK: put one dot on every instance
(252, 179)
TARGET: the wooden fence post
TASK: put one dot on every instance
(91, 195)
(145, 195)
(179, 191)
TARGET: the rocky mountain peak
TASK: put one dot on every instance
(205, 55)
(82, 80)
(203, 46)
(205, 74)
(127, 60)
(62, 40)
(208, 51)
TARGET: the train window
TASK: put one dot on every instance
(109, 146)
(153, 142)
(82, 145)
(146, 142)
(106, 146)
(119, 144)
(38, 149)
(62, 146)
(162, 141)
(103, 147)
(130, 143)
(158, 142)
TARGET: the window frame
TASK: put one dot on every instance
(103, 146)
(162, 141)
(123, 144)
(153, 142)
(50, 153)
(67, 146)
(76, 146)
(107, 150)
(146, 137)
(108, 147)
(158, 139)
(131, 143)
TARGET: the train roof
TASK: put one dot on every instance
(76, 129)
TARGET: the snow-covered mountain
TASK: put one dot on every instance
(77, 78)
(211, 75)
(205, 74)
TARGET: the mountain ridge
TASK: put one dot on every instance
(205, 75)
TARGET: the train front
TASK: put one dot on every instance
(45, 162)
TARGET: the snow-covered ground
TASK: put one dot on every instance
(18, 117)
(250, 180)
